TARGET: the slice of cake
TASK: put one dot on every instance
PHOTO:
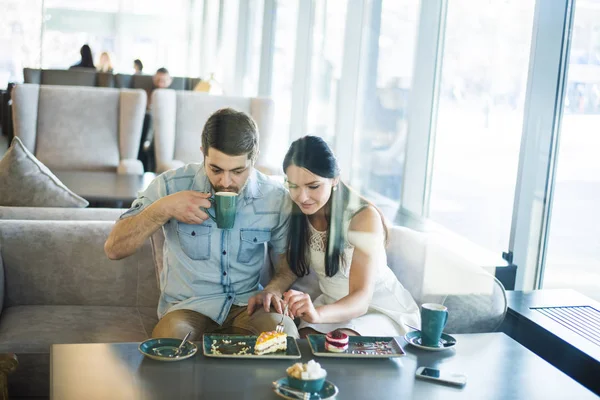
(270, 342)
(336, 341)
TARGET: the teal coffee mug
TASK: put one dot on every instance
(225, 204)
(433, 321)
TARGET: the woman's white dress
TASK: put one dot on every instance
(391, 306)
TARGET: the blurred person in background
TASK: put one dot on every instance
(161, 80)
(138, 66)
(105, 63)
(87, 61)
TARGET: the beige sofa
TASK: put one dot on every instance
(59, 287)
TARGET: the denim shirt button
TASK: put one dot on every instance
(255, 240)
(224, 273)
(224, 252)
(229, 297)
(193, 233)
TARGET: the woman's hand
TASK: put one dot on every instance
(300, 305)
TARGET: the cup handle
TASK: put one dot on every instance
(212, 203)
(445, 318)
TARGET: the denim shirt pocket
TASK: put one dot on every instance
(252, 244)
(194, 240)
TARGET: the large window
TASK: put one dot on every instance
(20, 33)
(49, 34)
(386, 82)
(459, 115)
(252, 68)
(126, 29)
(283, 75)
(68, 24)
(573, 258)
(480, 118)
(327, 52)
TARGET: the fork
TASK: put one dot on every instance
(280, 326)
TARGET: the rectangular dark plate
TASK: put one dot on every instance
(359, 347)
(235, 343)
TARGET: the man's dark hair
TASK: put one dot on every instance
(231, 132)
(162, 70)
(139, 64)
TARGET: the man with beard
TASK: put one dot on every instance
(208, 273)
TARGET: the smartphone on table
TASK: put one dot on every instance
(449, 378)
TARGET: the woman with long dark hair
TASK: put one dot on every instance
(87, 61)
(339, 236)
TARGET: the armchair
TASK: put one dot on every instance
(81, 128)
(178, 119)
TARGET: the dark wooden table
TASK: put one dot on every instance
(562, 326)
(497, 368)
(105, 189)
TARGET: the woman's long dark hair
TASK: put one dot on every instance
(313, 154)
(87, 60)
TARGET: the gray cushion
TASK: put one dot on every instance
(63, 262)
(29, 331)
(61, 213)
(78, 128)
(25, 181)
(33, 329)
(476, 313)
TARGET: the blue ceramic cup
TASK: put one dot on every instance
(307, 385)
(433, 321)
(225, 204)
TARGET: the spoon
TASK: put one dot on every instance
(445, 343)
(178, 351)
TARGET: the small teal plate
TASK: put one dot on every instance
(359, 347)
(232, 346)
(329, 391)
(163, 349)
(445, 343)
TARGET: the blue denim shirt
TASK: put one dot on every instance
(207, 269)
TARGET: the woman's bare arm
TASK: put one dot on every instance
(367, 223)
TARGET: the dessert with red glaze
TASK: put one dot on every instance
(336, 341)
